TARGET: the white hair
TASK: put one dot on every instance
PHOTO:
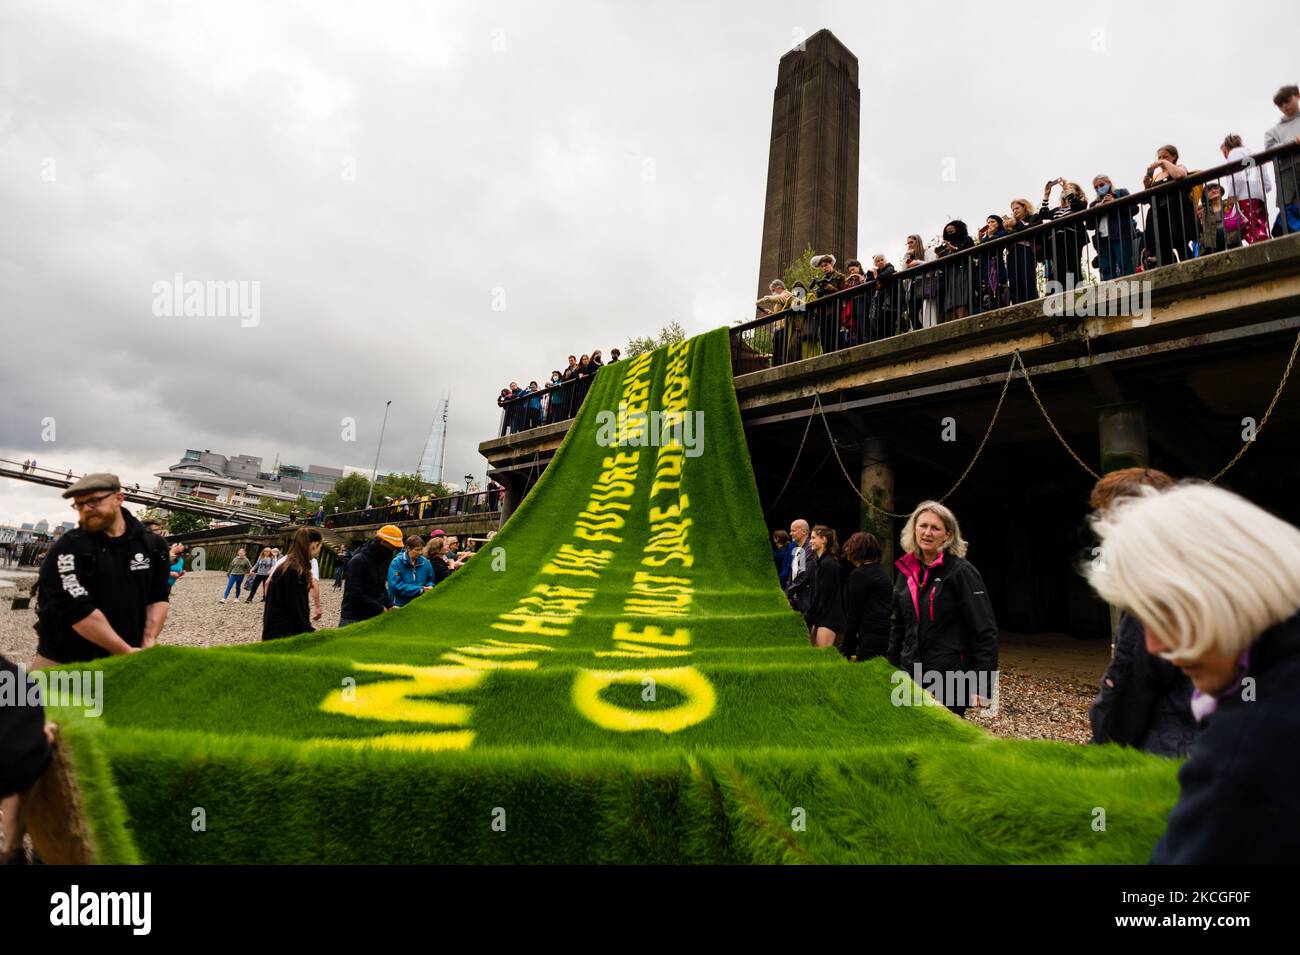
(955, 544)
(1201, 568)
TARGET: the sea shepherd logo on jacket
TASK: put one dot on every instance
(102, 908)
(139, 562)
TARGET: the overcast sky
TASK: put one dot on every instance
(450, 196)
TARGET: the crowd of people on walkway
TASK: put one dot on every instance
(557, 400)
(413, 507)
(1179, 224)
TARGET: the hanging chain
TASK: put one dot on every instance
(978, 451)
(1050, 423)
(797, 455)
(1016, 359)
(1277, 394)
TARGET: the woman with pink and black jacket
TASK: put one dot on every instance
(942, 619)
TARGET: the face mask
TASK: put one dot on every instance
(1103, 189)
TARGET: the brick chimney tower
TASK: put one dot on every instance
(812, 164)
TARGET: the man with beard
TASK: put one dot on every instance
(102, 589)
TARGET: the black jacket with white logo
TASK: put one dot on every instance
(942, 617)
(85, 572)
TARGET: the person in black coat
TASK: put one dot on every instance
(1115, 232)
(365, 592)
(1187, 563)
(1023, 256)
(868, 597)
(1171, 223)
(942, 630)
(1063, 245)
(991, 281)
(825, 616)
(884, 299)
(1145, 701)
(958, 290)
(25, 752)
(286, 613)
(433, 553)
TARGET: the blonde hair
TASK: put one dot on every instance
(1029, 208)
(1200, 567)
(435, 546)
(955, 544)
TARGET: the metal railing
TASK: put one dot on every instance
(435, 508)
(546, 406)
(230, 530)
(1170, 222)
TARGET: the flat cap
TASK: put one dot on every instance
(90, 483)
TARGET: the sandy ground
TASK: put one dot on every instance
(1046, 683)
(1046, 680)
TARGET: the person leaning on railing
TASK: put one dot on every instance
(1114, 232)
(1245, 192)
(1064, 244)
(991, 267)
(1215, 234)
(556, 395)
(820, 330)
(1022, 257)
(923, 292)
(1287, 99)
(955, 290)
(854, 310)
(884, 298)
(1171, 224)
(777, 299)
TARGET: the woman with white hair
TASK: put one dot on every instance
(1215, 582)
(942, 620)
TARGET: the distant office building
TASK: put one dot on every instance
(314, 483)
(240, 481)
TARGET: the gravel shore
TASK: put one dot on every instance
(1045, 685)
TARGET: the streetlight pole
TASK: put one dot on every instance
(375, 472)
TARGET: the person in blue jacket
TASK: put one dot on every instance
(407, 571)
(783, 554)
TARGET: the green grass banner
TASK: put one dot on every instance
(616, 677)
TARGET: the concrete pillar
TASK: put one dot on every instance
(512, 495)
(878, 488)
(1123, 429)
